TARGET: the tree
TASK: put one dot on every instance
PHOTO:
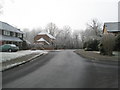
(92, 32)
(83, 38)
(64, 38)
(95, 27)
(76, 39)
(52, 29)
(67, 36)
(92, 44)
(29, 35)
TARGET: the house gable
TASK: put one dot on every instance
(49, 38)
(105, 30)
(42, 36)
(42, 40)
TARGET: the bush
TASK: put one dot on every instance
(107, 44)
(117, 43)
(88, 49)
(101, 49)
(92, 45)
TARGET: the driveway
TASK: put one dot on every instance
(61, 69)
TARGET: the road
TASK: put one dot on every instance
(61, 69)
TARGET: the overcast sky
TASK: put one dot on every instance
(75, 13)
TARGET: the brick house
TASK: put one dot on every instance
(45, 39)
(112, 27)
(10, 35)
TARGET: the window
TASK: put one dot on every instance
(19, 35)
(14, 34)
(0, 32)
(6, 33)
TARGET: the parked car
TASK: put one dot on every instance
(9, 48)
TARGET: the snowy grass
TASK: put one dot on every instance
(5, 56)
(115, 53)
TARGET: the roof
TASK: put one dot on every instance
(45, 33)
(42, 39)
(113, 26)
(8, 38)
(26, 41)
(6, 26)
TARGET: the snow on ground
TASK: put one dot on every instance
(4, 56)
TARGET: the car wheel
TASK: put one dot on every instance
(9, 50)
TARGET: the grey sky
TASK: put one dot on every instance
(75, 13)
(119, 11)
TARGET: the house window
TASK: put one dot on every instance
(14, 34)
(19, 35)
(6, 33)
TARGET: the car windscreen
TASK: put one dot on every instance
(13, 45)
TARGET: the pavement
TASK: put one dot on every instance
(61, 69)
(96, 57)
(22, 58)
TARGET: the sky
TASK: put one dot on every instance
(119, 12)
(75, 13)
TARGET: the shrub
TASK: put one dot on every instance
(117, 43)
(101, 49)
(91, 45)
(107, 44)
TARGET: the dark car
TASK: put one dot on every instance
(9, 48)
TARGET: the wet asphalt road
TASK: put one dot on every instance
(61, 69)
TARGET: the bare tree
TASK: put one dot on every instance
(92, 32)
(94, 26)
(64, 37)
(30, 34)
(52, 29)
(77, 39)
(82, 37)
(67, 36)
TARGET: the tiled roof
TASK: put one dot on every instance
(113, 26)
(45, 33)
(9, 38)
(6, 26)
(42, 39)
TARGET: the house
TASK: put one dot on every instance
(112, 27)
(44, 39)
(10, 35)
